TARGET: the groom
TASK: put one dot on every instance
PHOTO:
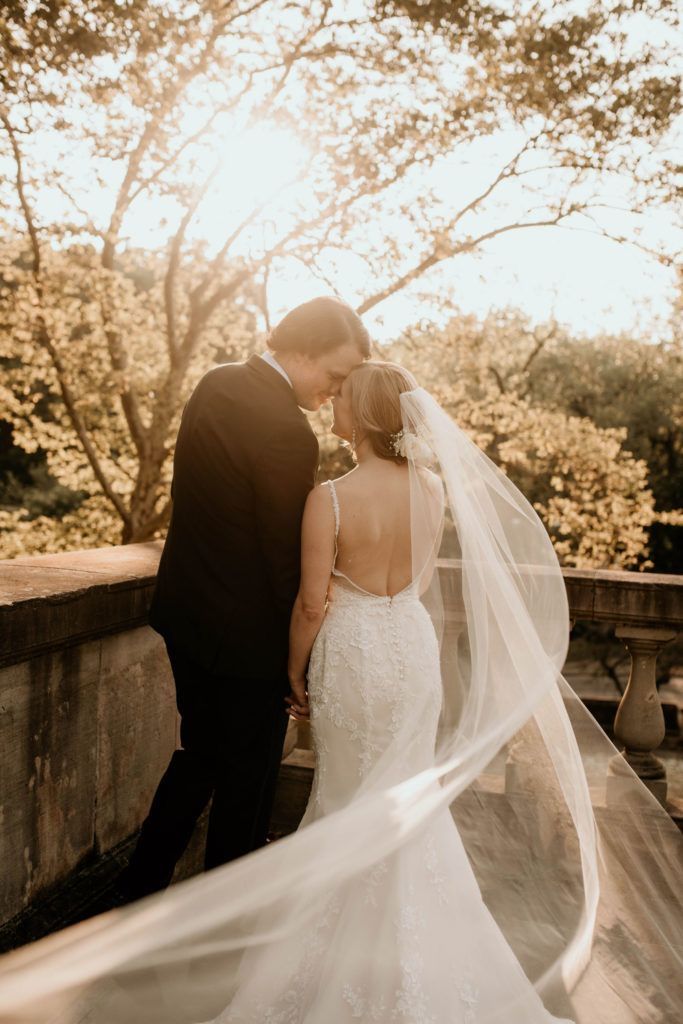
(245, 460)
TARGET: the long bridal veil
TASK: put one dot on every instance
(576, 860)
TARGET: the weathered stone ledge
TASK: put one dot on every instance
(48, 602)
(87, 712)
(52, 601)
(627, 598)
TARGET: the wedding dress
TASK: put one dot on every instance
(475, 849)
(410, 939)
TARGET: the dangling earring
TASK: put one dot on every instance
(353, 445)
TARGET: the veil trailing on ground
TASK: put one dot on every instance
(577, 861)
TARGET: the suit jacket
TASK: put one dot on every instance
(245, 461)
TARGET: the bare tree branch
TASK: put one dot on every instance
(663, 258)
(202, 313)
(79, 209)
(189, 141)
(262, 297)
(217, 262)
(535, 352)
(499, 380)
(167, 101)
(118, 356)
(312, 264)
(442, 253)
(174, 263)
(169, 98)
(157, 521)
(505, 172)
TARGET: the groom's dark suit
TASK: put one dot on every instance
(244, 463)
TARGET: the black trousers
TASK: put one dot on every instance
(232, 731)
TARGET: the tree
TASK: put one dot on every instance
(638, 387)
(592, 493)
(145, 96)
(43, 413)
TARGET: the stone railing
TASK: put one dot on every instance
(87, 712)
(646, 610)
(87, 709)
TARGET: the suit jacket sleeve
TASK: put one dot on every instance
(284, 475)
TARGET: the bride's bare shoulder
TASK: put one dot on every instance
(320, 495)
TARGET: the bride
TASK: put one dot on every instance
(462, 859)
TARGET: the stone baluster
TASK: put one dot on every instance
(639, 722)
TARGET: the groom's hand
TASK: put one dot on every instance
(297, 701)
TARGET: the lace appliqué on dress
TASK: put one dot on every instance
(468, 994)
(436, 875)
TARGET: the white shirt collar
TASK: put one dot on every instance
(269, 358)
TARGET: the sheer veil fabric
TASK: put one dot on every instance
(577, 862)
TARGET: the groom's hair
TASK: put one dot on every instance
(319, 326)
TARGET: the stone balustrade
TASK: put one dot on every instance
(87, 710)
(646, 610)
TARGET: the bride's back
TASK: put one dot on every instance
(374, 542)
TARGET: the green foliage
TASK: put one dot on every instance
(621, 382)
(590, 69)
(78, 293)
(590, 487)
(107, 109)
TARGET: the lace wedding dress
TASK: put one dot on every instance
(410, 940)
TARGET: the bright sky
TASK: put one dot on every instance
(585, 281)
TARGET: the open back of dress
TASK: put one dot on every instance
(375, 553)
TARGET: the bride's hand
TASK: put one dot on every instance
(298, 701)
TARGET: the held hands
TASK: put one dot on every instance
(297, 700)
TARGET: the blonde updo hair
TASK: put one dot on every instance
(376, 405)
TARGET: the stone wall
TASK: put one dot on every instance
(87, 709)
(87, 712)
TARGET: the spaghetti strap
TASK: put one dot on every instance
(335, 506)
